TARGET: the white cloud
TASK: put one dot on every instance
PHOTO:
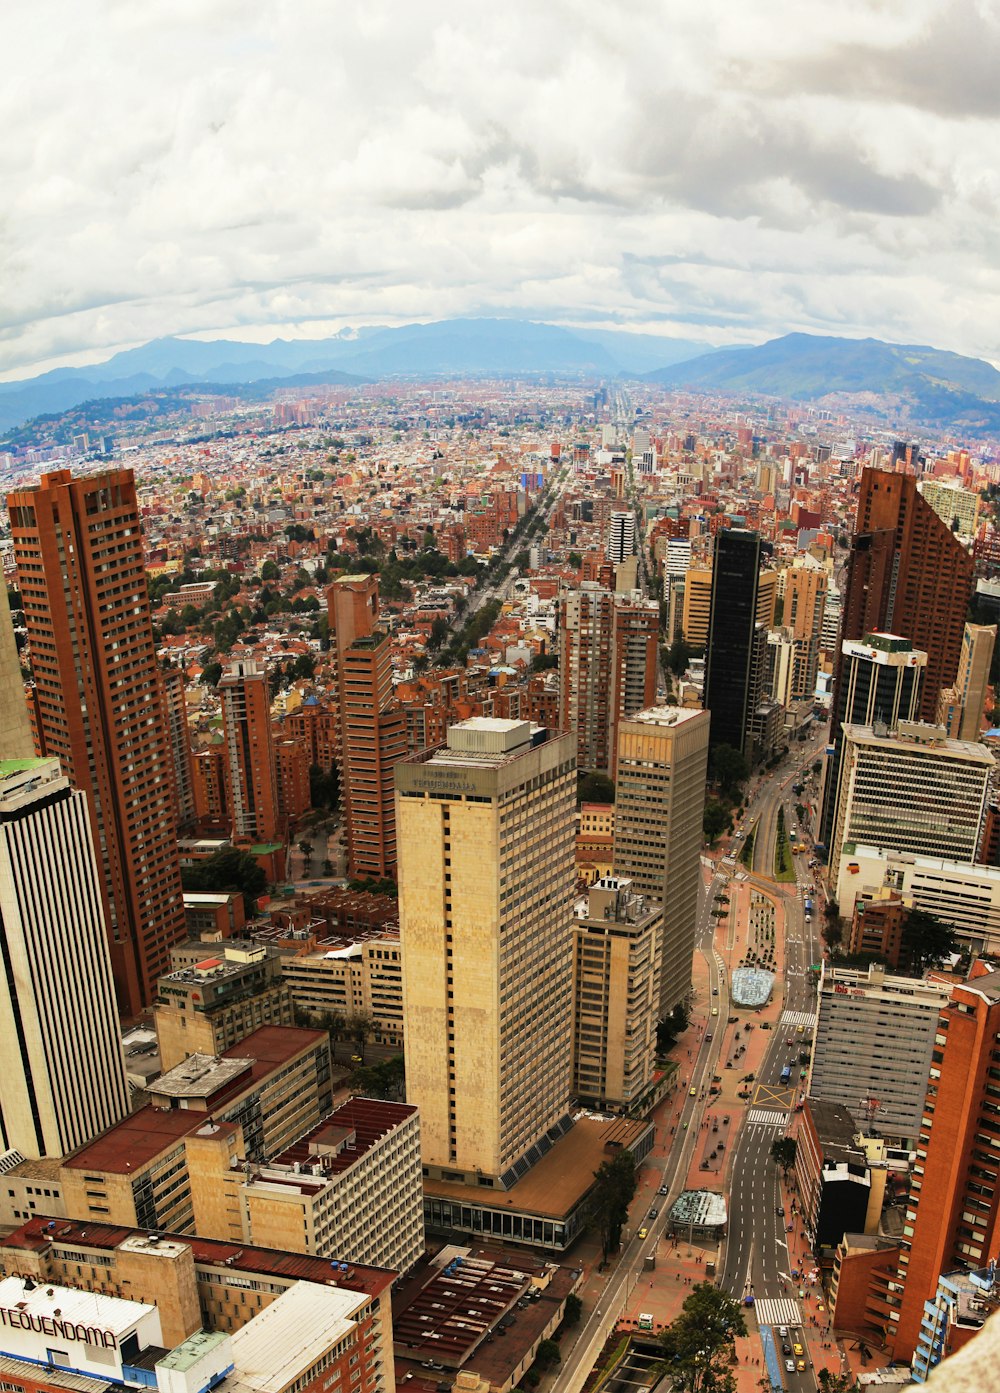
(208, 166)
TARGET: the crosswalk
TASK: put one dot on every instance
(806, 1018)
(767, 1117)
(777, 1310)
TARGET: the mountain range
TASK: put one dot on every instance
(468, 347)
(908, 384)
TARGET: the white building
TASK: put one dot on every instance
(621, 537)
(63, 1078)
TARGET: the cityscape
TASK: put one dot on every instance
(500, 700)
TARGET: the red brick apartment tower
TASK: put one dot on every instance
(252, 781)
(78, 548)
(916, 581)
(372, 726)
(952, 1219)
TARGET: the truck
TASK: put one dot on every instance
(786, 1074)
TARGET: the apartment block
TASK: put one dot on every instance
(252, 782)
(616, 995)
(355, 977)
(660, 803)
(961, 707)
(872, 1046)
(16, 738)
(212, 1005)
(172, 690)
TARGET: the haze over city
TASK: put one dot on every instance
(695, 169)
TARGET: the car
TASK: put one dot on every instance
(797, 1349)
(800, 1030)
(733, 1020)
(790, 1366)
(643, 1232)
(708, 1036)
(715, 991)
(790, 1040)
(653, 1213)
(715, 1010)
(663, 1190)
(783, 1332)
(800, 1364)
(785, 1347)
(693, 1092)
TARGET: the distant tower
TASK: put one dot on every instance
(253, 779)
(659, 807)
(730, 658)
(78, 547)
(621, 538)
(805, 593)
(486, 889)
(960, 708)
(63, 1078)
(175, 716)
(372, 727)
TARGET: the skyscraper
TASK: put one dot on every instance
(659, 807)
(621, 538)
(175, 715)
(252, 781)
(486, 891)
(372, 727)
(78, 547)
(63, 1079)
(908, 574)
(805, 592)
(729, 659)
(16, 740)
(607, 666)
(960, 708)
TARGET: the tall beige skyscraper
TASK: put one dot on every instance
(485, 828)
(16, 740)
(960, 708)
(659, 806)
(805, 592)
(63, 1078)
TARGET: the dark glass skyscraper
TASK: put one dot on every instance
(729, 666)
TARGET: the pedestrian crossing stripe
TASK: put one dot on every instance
(806, 1018)
(779, 1310)
(764, 1117)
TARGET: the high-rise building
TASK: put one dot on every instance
(729, 658)
(697, 610)
(486, 893)
(912, 790)
(881, 679)
(372, 726)
(78, 547)
(607, 666)
(252, 781)
(175, 715)
(805, 592)
(960, 708)
(616, 994)
(16, 739)
(952, 1214)
(621, 538)
(659, 807)
(909, 574)
(63, 1079)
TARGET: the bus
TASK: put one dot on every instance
(786, 1074)
(808, 906)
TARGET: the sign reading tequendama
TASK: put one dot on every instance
(53, 1326)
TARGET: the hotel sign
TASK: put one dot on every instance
(54, 1327)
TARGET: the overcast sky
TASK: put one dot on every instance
(725, 170)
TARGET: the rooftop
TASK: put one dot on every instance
(702, 1208)
(289, 1336)
(72, 1304)
(199, 1076)
(666, 715)
(343, 1137)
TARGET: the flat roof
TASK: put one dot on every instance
(702, 1208)
(73, 1304)
(561, 1178)
(291, 1334)
(199, 1076)
(366, 1120)
(665, 715)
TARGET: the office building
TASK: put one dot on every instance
(372, 728)
(78, 547)
(214, 1004)
(841, 1174)
(252, 782)
(607, 667)
(951, 1216)
(659, 807)
(486, 894)
(907, 574)
(63, 1079)
(616, 941)
(911, 790)
(872, 1046)
(351, 1188)
(318, 1327)
(172, 693)
(881, 680)
(16, 739)
(729, 658)
(697, 606)
(958, 508)
(621, 538)
(805, 594)
(961, 707)
(829, 634)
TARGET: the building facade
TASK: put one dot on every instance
(252, 777)
(729, 658)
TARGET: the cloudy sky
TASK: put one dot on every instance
(705, 169)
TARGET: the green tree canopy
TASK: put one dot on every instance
(715, 820)
(698, 1344)
(228, 869)
(594, 788)
(728, 768)
(611, 1196)
(783, 1153)
(926, 941)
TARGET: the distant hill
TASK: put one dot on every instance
(472, 347)
(908, 381)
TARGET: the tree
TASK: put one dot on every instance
(698, 1345)
(547, 1354)
(715, 820)
(228, 869)
(439, 632)
(783, 1153)
(594, 788)
(611, 1196)
(836, 1383)
(573, 1310)
(728, 768)
(575, 560)
(306, 849)
(926, 941)
(359, 1027)
(324, 787)
(542, 662)
(671, 1026)
(328, 867)
(678, 656)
